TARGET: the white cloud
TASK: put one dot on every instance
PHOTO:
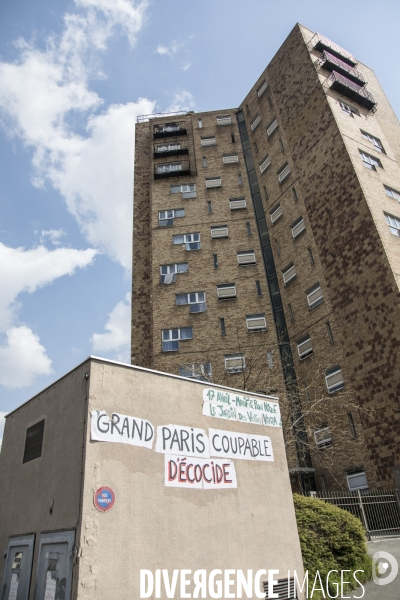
(2, 423)
(22, 358)
(53, 235)
(117, 339)
(187, 66)
(45, 90)
(183, 100)
(174, 47)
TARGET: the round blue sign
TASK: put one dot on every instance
(104, 499)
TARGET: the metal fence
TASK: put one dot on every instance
(378, 510)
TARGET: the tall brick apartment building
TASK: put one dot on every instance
(266, 255)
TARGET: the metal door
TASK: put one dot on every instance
(54, 570)
(17, 572)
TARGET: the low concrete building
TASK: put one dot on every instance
(115, 477)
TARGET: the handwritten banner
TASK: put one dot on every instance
(245, 446)
(121, 429)
(182, 441)
(200, 473)
(245, 409)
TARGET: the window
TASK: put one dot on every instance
(248, 227)
(187, 190)
(196, 301)
(264, 164)
(262, 89)
(226, 291)
(276, 213)
(227, 120)
(314, 296)
(357, 481)
(370, 161)
(323, 438)
(304, 347)
(394, 224)
(270, 101)
(255, 147)
(233, 138)
(392, 193)
(256, 322)
(240, 181)
(172, 337)
(237, 203)
(334, 379)
(258, 287)
(374, 140)
(166, 217)
(283, 172)
(281, 145)
(289, 273)
(200, 124)
(168, 272)
(255, 122)
(246, 258)
(311, 256)
(219, 231)
(330, 334)
(228, 159)
(204, 161)
(213, 182)
(222, 325)
(291, 313)
(33, 442)
(208, 141)
(168, 147)
(265, 192)
(199, 371)
(270, 359)
(298, 227)
(349, 110)
(278, 248)
(235, 363)
(295, 197)
(191, 240)
(271, 127)
(215, 257)
(209, 207)
(168, 168)
(352, 426)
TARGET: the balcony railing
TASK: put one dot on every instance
(348, 88)
(170, 130)
(320, 42)
(331, 63)
(164, 150)
(173, 169)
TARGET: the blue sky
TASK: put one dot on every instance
(74, 75)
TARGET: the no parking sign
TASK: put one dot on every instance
(104, 498)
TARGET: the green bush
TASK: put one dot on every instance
(331, 538)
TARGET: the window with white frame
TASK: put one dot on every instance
(168, 168)
(226, 291)
(298, 227)
(392, 193)
(255, 122)
(304, 347)
(183, 189)
(229, 159)
(262, 89)
(237, 203)
(247, 257)
(314, 296)
(334, 379)
(168, 272)
(168, 147)
(195, 300)
(323, 438)
(357, 481)
(264, 164)
(276, 213)
(271, 127)
(199, 371)
(219, 231)
(394, 224)
(172, 337)
(374, 140)
(349, 110)
(208, 141)
(227, 120)
(235, 363)
(289, 273)
(191, 240)
(371, 162)
(166, 217)
(256, 322)
(283, 172)
(213, 182)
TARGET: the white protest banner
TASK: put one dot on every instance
(121, 429)
(236, 407)
(246, 446)
(200, 473)
(183, 441)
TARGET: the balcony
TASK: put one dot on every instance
(321, 43)
(173, 169)
(331, 63)
(170, 130)
(348, 88)
(174, 149)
